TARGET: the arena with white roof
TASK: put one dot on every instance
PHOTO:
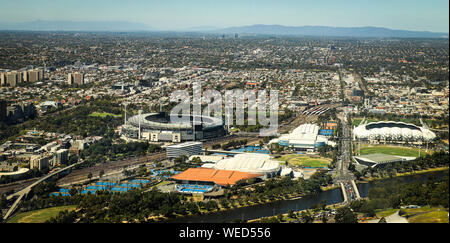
(393, 132)
(250, 163)
(305, 137)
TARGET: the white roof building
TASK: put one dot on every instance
(250, 163)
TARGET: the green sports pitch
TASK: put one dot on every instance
(39, 216)
(305, 161)
(393, 150)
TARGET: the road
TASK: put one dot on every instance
(24, 192)
(343, 175)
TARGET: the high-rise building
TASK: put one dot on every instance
(2, 79)
(61, 156)
(39, 162)
(33, 76)
(13, 78)
(76, 78)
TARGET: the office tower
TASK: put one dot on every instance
(188, 149)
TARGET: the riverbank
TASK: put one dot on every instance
(405, 174)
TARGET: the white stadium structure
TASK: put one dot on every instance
(250, 163)
(395, 132)
(304, 138)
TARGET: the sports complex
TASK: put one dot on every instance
(393, 132)
(226, 172)
(158, 127)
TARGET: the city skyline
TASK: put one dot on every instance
(176, 15)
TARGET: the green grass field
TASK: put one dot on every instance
(385, 213)
(39, 216)
(431, 217)
(103, 115)
(392, 150)
(305, 161)
(357, 121)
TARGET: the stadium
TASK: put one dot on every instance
(393, 132)
(157, 127)
(304, 138)
(226, 172)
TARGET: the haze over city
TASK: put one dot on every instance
(270, 115)
(180, 15)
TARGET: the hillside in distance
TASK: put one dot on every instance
(41, 25)
(371, 32)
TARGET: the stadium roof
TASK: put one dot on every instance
(382, 158)
(250, 163)
(220, 177)
(146, 121)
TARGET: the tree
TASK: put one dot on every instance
(89, 176)
(306, 217)
(102, 172)
(345, 216)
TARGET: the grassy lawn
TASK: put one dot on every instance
(386, 213)
(103, 115)
(392, 150)
(305, 160)
(357, 121)
(39, 216)
(430, 217)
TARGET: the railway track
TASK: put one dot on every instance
(81, 174)
(16, 186)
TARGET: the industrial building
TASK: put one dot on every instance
(304, 138)
(188, 149)
(158, 127)
(392, 132)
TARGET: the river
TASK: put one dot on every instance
(253, 212)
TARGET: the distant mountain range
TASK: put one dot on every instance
(373, 32)
(277, 30)
(109, 26)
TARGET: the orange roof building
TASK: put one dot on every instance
(219, 177)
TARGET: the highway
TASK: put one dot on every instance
(343, 176)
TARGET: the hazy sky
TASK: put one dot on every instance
(427, 15)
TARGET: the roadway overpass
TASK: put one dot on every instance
(24, 192)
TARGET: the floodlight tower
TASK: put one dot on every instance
(125, 105)
(140, 113)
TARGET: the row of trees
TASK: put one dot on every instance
(432, 192)
(438, 159)
(106, 150)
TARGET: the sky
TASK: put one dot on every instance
(420, 15)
